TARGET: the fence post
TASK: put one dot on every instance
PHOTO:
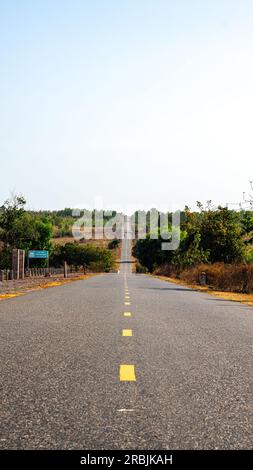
(65, 267)
(202, 279)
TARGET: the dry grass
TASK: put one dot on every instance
(219, 276)
(101, 243)
(224, 277)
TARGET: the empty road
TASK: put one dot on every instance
(125, 361)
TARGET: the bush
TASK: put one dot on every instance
(168, 270)
(149, 253)
(96, 267)
(249, 256)
(141, 269)
(5, 258)
(78, 255)
(112, 245)
(226, 277)
(221, 236)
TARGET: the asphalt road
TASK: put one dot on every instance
(188, 384)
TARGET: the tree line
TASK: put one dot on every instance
(206, 236)
(29, 230)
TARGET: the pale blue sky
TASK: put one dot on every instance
(134, 103)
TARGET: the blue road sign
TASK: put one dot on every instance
(38, 254)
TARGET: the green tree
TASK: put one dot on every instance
(221, 235)
(206, 236)
(190, 252)
(84, 256)
(11, 212)
(149, 252)
(21, 229)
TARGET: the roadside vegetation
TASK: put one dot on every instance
(29, 230)
(215, 242)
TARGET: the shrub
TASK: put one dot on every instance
(141, 269)
(168, 270)
(227, 277)
(149, 253)
(76, 254)
(112, 245)
(5, 258)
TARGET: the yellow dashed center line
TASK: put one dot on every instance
(127, 373)
(127, 314)
(127, 332)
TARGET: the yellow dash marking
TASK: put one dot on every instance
(127, 332)
(127, 297)
(127, 303)
(127, 314)
(127, 373)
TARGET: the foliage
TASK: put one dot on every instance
(190, 252)
(5, 258)
(20, 229)
(113, 244)
(141, 269)
(227, 277)
(206, 236)
(77, 255)
(11, 213)
(62, 221)
(149, 253)
(246, 220)
(221, 236)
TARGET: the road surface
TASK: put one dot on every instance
(179, 379)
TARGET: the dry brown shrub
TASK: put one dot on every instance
(227, 277)
(166, 270)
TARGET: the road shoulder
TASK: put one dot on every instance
(25, 286)
(246, 299)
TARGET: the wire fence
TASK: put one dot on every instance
(10, 274)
